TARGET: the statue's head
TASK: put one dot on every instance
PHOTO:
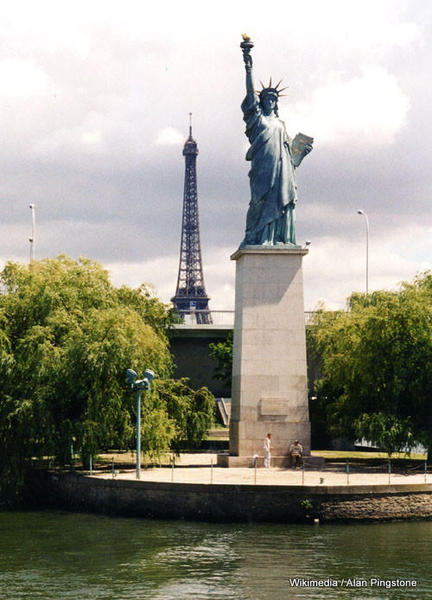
(269, 101)
(269, 97)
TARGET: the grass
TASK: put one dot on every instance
(126, 459)
(129, 457)
(358, 454)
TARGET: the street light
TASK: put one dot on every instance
(361, 212)
(32, 239)
(138, 385)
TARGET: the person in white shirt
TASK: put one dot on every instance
(267, 450)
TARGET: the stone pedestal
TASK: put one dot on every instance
(269, 389)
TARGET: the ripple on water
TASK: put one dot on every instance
(57, 555)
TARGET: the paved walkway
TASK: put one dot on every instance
(197, 468)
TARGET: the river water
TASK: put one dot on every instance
(54, 555)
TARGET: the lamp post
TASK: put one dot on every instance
(32, 239)
(361, 212)
(137, 385)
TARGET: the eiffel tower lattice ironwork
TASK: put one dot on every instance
(191, 297)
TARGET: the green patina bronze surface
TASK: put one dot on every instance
(274, 156)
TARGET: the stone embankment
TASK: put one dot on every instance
(235, 501)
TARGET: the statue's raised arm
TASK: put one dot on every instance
(246, 47)
(274, 156)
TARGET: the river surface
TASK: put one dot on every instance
(54, 555)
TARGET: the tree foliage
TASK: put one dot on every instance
(222, 353)
(67, 337)
(376, 366)
(191, 410)
(389, 432)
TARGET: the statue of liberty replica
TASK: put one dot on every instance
(269, 389)
(274, 156)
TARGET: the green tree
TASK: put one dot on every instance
(376, 365)
(192, 411)
(67, 337)
(222, 353)
(388, 432)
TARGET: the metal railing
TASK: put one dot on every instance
(201, 317)
(218, 317)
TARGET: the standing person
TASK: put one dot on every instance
(267, 450)
(296, 454)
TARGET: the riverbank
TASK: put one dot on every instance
(208, 493)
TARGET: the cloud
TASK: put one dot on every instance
(335, 267)
(219, 272)
(170, 137)
(369, 108)
(23, 79)
(93, 97)
(91, 138)
(160, 273)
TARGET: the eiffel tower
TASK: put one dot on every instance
(190, 296)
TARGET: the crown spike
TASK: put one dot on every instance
(282, 89)
(278, 84)
(270, 82)
(262, 85)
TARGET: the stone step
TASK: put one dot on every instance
(226, 460)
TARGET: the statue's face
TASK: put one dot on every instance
(268, 102)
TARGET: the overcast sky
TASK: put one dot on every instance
(94, 103)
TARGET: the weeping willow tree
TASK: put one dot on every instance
(67, 336)
(376, 366)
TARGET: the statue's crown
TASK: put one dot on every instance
(270, 89)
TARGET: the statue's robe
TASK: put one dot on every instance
(270, 218)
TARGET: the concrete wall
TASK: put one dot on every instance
(189, 345)
(235, 502)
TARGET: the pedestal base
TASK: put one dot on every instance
(269, 390)
(282, 462)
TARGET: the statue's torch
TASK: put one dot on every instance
(247, 44)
